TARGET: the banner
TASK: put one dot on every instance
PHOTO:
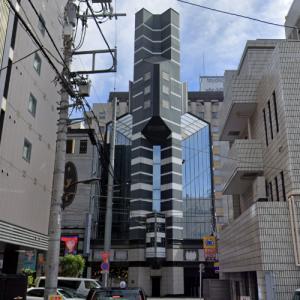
(209, 242)
(29, 261)
(70, 244)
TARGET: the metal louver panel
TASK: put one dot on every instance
(20, 236)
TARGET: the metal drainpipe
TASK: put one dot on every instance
(294, 227)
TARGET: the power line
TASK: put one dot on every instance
(237, 15)
(99, 28)
(42, 48)
(100, 148)
(22, 58)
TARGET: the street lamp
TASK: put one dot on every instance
(68, 196)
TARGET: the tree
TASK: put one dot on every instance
(72, 265)
(30, 276)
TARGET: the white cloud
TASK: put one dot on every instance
(218, 38)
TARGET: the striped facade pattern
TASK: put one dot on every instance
(156, 93)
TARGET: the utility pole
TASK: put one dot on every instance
(109, 202)
(54, 231)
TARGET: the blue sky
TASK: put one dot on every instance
(210, 42)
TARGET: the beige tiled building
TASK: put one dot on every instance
(259, 250)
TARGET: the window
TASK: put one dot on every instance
(102, 115)
(265, 125)
(42, 25)
(83, 146)
(276, 187)
(283, 185)
(70, 146)
(156, 178)
(215, 137)
(27, 150)
(165, 104)
(165, 89)
(147, 76)
(7, 79)
(165, 76)
(36, 293)
(72, 284)
(270, 119)
(147, 104)
(37, 63)
(32, 105)
(216, 164)
(216, 150)
(147, 90)
(266, 188)
(201, 114)
(89, 284)
(214, 115)
(215, 129)
(2, 115)
(275, 110)
(271, 191)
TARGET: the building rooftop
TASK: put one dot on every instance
(206, 96)
(192, 96)
(121, 96)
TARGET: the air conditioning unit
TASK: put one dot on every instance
(259, 189)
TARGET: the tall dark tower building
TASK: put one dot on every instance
(156, 208)
(163, 204)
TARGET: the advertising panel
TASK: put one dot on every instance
(210, 248)
(70, 243)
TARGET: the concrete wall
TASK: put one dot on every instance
(260, 240)
(25, 187)
(171, 283)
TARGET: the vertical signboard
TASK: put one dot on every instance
(210, 248)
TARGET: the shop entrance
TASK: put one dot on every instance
(155, 286)
(191, 282)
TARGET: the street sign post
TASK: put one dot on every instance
(201, 268)
(105, 262)
(105, 267)
(105, 256)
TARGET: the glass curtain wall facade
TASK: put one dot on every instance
(197, 189)
(156, 178)
(121, 190)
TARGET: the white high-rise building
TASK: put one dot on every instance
(28, 125)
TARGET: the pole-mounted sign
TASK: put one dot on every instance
(69, 187)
